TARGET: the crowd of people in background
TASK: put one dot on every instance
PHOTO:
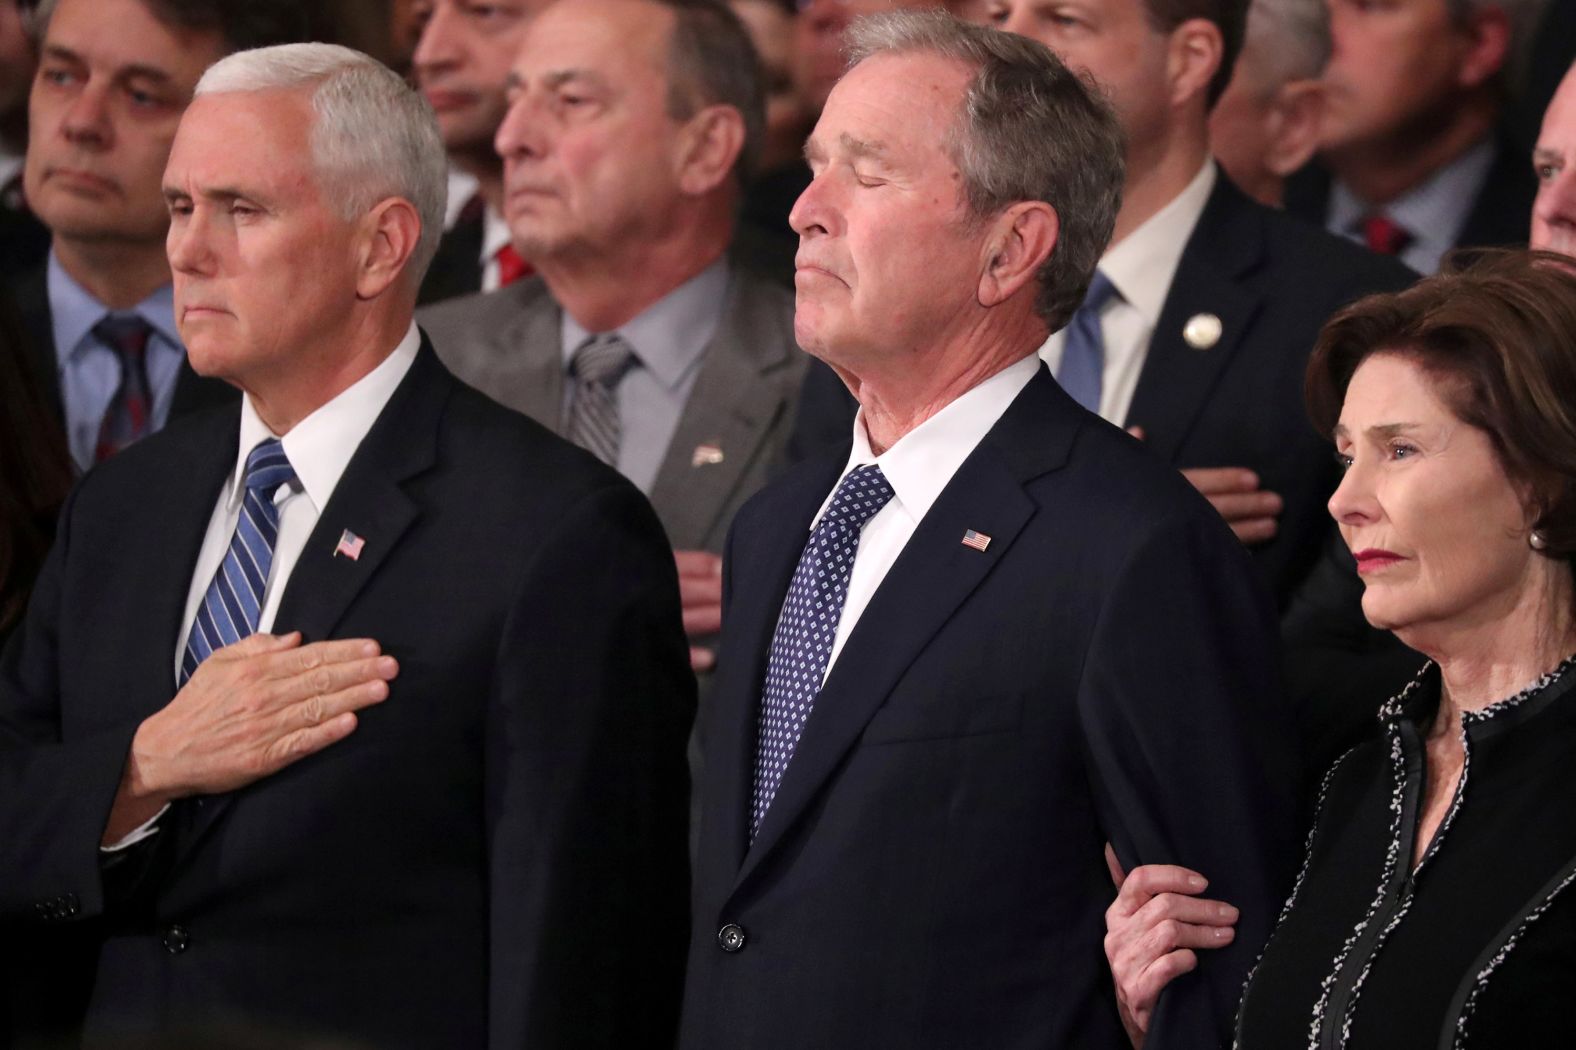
(635, 523)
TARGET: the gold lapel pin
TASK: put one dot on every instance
(706, 455)
(1202, 331)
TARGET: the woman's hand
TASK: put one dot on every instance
(1152, 929)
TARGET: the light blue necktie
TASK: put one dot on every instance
(802, 644)
(233, 602)
(1083, 352)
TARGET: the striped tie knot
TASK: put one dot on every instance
(267, 467)
(602, 359)
(126, 334)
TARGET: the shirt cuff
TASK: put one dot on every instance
(145, 830)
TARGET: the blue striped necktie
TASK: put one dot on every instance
(233, 602)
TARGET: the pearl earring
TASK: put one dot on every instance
(1537, 541)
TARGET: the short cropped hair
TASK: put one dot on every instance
(1496, 330)
(1290, 39)
(1229, 16)
(1029, 129)
(712, 61)
(374, 137)
(241, 24)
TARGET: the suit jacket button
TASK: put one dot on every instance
(731, 938)
(176, 939)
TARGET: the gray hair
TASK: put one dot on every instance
(1288, 40)
(374, 137)
(1029, 129)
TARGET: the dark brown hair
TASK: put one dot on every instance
(1228, 16)
(1497, 331)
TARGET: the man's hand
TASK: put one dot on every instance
(1154, 930)
(251, 709)
(700, 589)
(1234, 492)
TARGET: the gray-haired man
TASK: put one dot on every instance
(288, 741)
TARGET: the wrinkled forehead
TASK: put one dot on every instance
(612, 39)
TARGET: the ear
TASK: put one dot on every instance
(708, 147)
(389, 233)
(1021, 238)
(1487, 36)
(1294, 118)
(1194, 52)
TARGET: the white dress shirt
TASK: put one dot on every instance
(1141, 266)
(319, 448)
(918, 467)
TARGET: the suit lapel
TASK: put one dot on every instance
(931, 578)
(1178, 375)
(514, 354)
(369, 501)
(728, 415)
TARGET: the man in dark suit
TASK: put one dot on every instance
(461, 64)
(439, 799)
(1413, 158)
(628, 208)
(993, 634)
(114, 77)
(1209, 301)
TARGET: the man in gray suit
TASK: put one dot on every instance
(632, 125)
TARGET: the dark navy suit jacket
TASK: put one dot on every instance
(496, 857)
(930, 873)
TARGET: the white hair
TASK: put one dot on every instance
(374, 137)
(1288, 40)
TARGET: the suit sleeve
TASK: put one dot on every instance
(588, 789)
(1189, 746)
(56, 789)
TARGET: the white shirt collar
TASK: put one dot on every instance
(320, 446)
(1143, 264)
(495, 235)
(923, 461)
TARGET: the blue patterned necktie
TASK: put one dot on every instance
(233, 602)
(1083, 353)
(802, 644)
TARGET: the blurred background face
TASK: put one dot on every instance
(1554, 211)
(263, 267)
(1428, 490)
(589, 148)
(1113, 41)
(462, 64)
(1264, 126)
(818, 43)
(1393, 70)
(111, 86)
(771, 28)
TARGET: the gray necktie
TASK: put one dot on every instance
(597, 366)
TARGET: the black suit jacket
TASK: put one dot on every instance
(1500, 214)
(930, 872)
(456, 267)
(31, 297)
(1272, 281)
(494, 858)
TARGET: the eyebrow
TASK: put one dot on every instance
(134, 69)
(854, 147)
(213, 193)
(556, 79)
(1544, 155)
(1380, 430)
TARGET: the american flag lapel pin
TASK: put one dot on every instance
(350, 545)
(976, 540)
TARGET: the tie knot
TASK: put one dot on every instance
(126, 334)
(267, 467)
(1384, 235)
(861, 493)
(602, 359)
(1100, 291)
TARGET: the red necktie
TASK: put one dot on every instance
(510, 266)
(1384, 235)
(126, 418)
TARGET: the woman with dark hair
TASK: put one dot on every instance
(35, 472)
(1434, 908)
